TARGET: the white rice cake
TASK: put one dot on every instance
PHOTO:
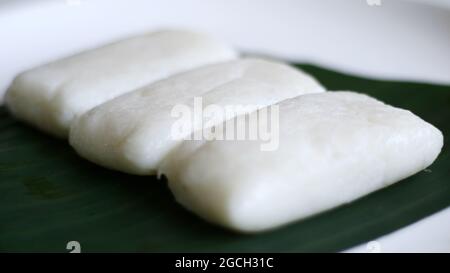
(133, 132)
(334, 147)
(50, 96)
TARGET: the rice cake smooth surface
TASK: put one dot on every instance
(50, 96)
(133, 132)
(334, 147)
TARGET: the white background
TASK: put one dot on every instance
(396, 40)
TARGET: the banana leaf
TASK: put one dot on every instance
(50, 196)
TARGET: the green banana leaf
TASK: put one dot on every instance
(50, 196)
